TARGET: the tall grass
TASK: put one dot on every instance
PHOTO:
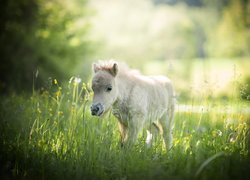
(51, 135)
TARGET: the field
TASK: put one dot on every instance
(51, 135)
(46, 129)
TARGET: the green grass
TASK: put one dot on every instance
(51, 135)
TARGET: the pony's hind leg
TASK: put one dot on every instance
(152, 131)
(166, 126)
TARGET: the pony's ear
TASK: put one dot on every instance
(95, 67)
(114, 69)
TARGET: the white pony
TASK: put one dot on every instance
(137, 101)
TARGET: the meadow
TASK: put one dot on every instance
(47, 132)
(52, 135)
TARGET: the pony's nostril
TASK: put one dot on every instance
(97, 108)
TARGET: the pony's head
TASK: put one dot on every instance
(104, 87)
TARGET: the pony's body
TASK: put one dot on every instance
(137, 101)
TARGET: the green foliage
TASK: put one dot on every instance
(231, 37)
(51, 135)
(44, 35)
(172, 29)
(244, 89)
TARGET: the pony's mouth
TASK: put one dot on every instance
(100, 113)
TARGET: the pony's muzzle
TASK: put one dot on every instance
(96, 109)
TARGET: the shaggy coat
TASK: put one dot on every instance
(136, 100)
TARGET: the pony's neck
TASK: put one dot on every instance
(125, 86)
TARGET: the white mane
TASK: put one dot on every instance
(122, 67)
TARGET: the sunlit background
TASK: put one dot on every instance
(202, 45)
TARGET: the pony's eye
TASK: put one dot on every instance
(109, 88)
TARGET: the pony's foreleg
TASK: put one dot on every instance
(123, 132)
(133, 129)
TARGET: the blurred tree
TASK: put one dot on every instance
(173, 2)
(44, 35)
(232, 36)
(215, 4)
